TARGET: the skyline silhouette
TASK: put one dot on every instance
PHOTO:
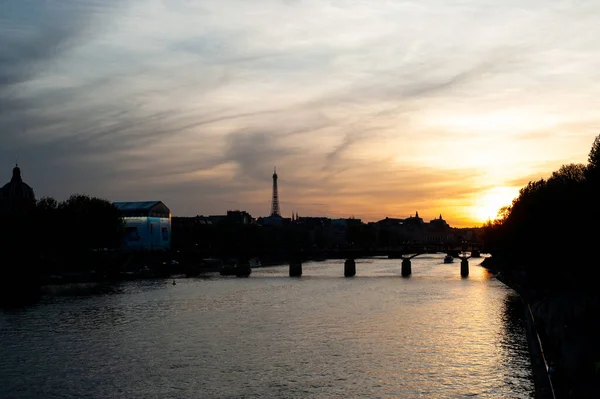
(368, 109)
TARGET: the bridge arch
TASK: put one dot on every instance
(414, 255)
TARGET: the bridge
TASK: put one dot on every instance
(405, 252)
(464, 264)
(421, 248)
(406, 268)
(392, 252)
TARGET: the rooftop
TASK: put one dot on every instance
(135, 205)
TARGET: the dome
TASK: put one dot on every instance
(17, 189)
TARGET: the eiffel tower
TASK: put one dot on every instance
(275, 200)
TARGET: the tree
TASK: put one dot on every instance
(46, 204)
(594, 155)
(571, 173)
(47, 225)
(544, 231)
(91, 223)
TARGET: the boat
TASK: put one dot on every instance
(448, 259)
(228, 270)
(243, 270)
(192, 270)
(236, 270)
(212, 264)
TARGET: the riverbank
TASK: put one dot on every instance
(544, 386)
(563, 334)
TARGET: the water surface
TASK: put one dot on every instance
(376, 335)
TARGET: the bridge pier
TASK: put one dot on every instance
(349, 268)
(406, 267)
(464, 268)
(295, 268)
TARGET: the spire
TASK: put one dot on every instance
(275, 199)
(441, 217)
(417, 214)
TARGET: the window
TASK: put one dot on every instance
(132, 234)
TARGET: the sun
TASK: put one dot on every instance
(488, 203)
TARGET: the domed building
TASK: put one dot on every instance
(19, 278)
(16, 195)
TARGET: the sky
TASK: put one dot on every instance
(367, 108)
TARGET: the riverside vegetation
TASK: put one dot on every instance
(543, 245)
(48, 237)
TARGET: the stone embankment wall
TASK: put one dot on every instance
(570, 331)
(568, 326)
(544, 388)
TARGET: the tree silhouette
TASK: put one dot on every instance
(545, 229)
(90, 222)
(594, 155)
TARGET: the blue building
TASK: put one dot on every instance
(147, 225)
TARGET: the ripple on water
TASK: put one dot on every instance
(434, 335)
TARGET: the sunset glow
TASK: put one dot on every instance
(368, 109)
(490, 202)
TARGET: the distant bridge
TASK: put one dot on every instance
(406, 268)
(392, 252)
(406, 254)
(464, 252)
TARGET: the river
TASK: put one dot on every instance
(376, 335)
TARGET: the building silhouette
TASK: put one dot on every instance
(16, 196)
(20, 274)
(393, 231)
(147, 225)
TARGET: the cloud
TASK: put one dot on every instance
(366, 109)
(25, 52)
